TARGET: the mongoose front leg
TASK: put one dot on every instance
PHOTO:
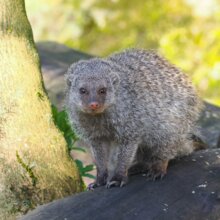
(99, 152)
(119, 176)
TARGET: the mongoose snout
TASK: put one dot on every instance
(91, 96)
(94, 105)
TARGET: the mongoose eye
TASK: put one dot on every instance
(102, 91)
(82, 91)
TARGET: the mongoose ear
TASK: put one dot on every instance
(71, 80)
(70, 76)
(68, 81)
(115, 79)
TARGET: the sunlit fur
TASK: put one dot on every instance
(150, 104)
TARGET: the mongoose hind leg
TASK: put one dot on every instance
(154, 170)
(138, 168)
(157, 170)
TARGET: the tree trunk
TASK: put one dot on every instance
(34, 165)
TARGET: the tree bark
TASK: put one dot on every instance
(34, 165)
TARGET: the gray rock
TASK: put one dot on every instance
(190, 191)
(210, 123)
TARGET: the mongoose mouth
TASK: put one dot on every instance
(97, 111)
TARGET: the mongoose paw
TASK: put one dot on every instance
(117, 180)
(157, 170)
(94, 185)
(101, 180)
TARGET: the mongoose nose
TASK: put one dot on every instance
(94, 105)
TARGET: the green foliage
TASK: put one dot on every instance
(61, 120)
(83, 170)
(187, 32)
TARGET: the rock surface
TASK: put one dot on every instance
(210, 123)
(191, 189)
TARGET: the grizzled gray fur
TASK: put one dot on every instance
(135, 110)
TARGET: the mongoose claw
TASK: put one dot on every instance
(112, 183)
(158, 170)
(155, 176)
(117, 181)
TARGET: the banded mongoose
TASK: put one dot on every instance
(135, 110)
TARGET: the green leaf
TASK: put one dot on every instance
(78, 149)
(79, 164)
(89, 175)
(88, 168)
(62, 122)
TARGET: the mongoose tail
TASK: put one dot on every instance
(198, 143)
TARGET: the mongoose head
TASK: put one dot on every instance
(92, 86)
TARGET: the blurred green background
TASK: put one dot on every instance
(187, 32)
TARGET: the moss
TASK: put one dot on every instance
(28, 169)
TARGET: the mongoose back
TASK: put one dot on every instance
(135, 110)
